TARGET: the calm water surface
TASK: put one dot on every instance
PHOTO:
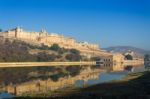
(53, 73)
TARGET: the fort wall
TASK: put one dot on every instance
(47, 39)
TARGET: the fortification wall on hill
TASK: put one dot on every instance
(47, 39)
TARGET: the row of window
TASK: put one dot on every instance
(107, 60)
(105, 65)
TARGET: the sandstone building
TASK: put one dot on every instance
(111, 61)
(45, 38)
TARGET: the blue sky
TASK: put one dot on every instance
(105, 22)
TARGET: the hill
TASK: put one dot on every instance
(13, 50)
(124, 49)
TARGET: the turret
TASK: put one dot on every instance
(17, 30)
(43, 33)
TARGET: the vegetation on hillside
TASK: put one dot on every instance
(18, 51)
(14, 51)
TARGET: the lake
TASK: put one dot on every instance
(21, 80)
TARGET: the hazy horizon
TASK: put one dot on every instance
(107, 23)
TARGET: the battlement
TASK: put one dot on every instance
(45, 38)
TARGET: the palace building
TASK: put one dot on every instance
(48, 39)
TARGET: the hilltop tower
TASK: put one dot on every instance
(17, 30)
(43, 33)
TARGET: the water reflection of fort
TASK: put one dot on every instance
(45, 85)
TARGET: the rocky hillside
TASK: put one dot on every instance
(125, 49)
(19, 51)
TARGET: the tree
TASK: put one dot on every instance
(1, 30)
(74, 51)
(43, 56)
(62, 50)
(55, 47)
(73, 57)
(147, 57)
(129, 57)
(44, 47)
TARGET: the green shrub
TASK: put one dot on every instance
(129, 57)
(74, 51)
(55, 47)
(73, 57)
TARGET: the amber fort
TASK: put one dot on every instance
(86, 49)
(46, 38)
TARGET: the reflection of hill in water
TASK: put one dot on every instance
(41, 79)
(38, 80)
(19, 75)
